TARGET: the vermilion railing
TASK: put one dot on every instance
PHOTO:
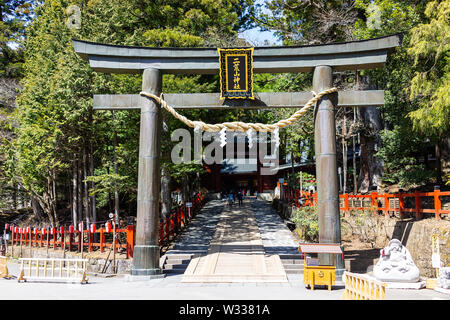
(179, 219)
(379, 203)
(83, 240)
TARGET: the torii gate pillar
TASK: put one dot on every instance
(326, 168)
(146, 250)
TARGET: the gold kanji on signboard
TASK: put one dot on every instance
(236, 73)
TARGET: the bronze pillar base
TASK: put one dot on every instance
(145, 261)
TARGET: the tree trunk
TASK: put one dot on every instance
(165, 193)
(355, 181)
(116, 191)
(79, 191)
(444, 151)
(85, 187)
(438, 163)
(75, 193)
(344, 154)
(92, 184)
(371, 167)
(370, 140)
(37, 209)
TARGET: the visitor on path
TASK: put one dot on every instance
(230, 199)
(240, 197)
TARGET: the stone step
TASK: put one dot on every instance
(175, 267)
(178, 261)
(179, 256)
(294, 271)
(173, 271)
(293, 266)
(290, 256)
(291, 261)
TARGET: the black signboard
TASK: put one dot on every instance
(236, 73)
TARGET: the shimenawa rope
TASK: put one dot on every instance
(237, 125)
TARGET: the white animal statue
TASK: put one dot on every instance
(396, 264)
(444, 278)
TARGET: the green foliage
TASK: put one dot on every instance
(308, 22)
(430, 48)
(56, 124)
(306, 220)
(308, 180)
(399, 166)
(14, 14)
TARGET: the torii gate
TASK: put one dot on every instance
(322, 59)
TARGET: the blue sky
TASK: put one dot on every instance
(257, 37)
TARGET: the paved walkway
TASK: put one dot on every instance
(236, 252)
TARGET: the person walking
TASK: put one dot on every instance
(230, 199)
(240, 197)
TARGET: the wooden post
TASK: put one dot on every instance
(437, 202)
(48, 240)
(401, 204)
(386, 205)
(102, 240)
(418, 204)
(146, 251)
(89, 240)
(130, 241)
(70, 240)
(326, 167)
(374, 196)
(346, 208)
(21, 237)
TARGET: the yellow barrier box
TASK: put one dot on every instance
(315, 274)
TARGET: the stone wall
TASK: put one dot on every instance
(415, 235)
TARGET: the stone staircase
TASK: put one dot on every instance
(292, 263)
(176, 263)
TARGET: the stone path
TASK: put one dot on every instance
(236, 252)
(276, 237)
(200, 230)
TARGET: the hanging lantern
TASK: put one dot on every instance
(108, 226)
(6, 226)
(61, 230)
(93, 228)
(80, 227)
(43, 231)
(11, 228)
(71, 229)
(35, 231)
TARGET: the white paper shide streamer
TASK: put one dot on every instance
(251, 137)
(276, 137)
(223, 137)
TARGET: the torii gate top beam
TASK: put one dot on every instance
(363, 54)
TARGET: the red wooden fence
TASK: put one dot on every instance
(379, 203)
(70, 239)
